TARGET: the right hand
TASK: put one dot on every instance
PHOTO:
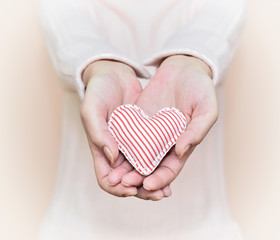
(109, 84)
(183, 82)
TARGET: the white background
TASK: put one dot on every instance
(30, 106)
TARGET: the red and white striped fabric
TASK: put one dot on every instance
(144, 140)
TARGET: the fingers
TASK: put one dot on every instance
(167, 171)
(111, 181)
(118, 161)
(133, 178)
(154, 195)
(102, 171)
(150, 195)
(195, 132)
(125, 176)
(119, 190)
(167, 192)
(117, 174)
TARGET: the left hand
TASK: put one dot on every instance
(185, 83)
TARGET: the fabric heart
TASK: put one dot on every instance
(144, 140)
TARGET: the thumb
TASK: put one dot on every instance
(195, 132)
(95, 124)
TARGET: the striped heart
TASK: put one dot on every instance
(144, 140)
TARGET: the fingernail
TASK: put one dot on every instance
(157, 198)
(132, 193)
(184, 152)
(110, 183)
(146, 188)
(108, 154)
(169, 194)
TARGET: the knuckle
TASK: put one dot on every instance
(196, 137)
(96, 138)
(169, 172)
(109, 189)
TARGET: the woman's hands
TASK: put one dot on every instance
(185, 83)
(181, 81)
(109, 84)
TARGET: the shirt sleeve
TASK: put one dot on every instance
(73, 41)
(211, 35)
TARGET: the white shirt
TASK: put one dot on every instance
(139, 33)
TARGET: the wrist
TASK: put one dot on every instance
(106, 67)
(189, 62)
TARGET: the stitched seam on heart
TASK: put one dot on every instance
(163, 151)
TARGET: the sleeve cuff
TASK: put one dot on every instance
(200, 43)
